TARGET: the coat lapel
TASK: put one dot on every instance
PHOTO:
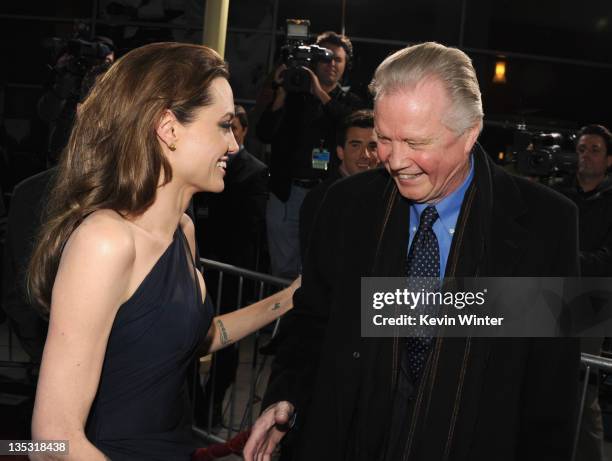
(489, 242)
(490, 239)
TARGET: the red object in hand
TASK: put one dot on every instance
(233, 446)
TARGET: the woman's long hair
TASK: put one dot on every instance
(113, 159)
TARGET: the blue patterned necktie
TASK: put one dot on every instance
(423, 271)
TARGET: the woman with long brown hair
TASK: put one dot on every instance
(114, 263)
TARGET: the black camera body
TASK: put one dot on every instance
(297, 55)
(72, 59)
(296, 78)
(543, 154)
(80, 55)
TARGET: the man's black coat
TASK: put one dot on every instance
(310, 207)
(595, 226)
(481, 399)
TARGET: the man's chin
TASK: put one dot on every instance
(328, 82)
(409, 192)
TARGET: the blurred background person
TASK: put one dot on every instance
(356, 150)
(73, 60)
(232, 234)
(591, 190)
(301, 128)
(24, 220)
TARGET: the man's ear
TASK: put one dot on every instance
(166, 129)
(340, 152)
(471, 135)
(609, 158)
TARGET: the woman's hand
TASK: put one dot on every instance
(295, 285)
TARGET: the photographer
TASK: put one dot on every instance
(301, 127)
(591, 190)
(73, 59)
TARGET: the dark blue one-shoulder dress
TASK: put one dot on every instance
(142, 408)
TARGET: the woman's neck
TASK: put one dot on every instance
(163, 217)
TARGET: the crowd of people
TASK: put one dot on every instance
(395, 186)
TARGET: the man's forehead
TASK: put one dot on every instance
(412, 105)
(359, 132)
(429, 89)
(336, 49)
(592, 138)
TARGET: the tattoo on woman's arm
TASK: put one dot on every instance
(223, 333)
(276, 306)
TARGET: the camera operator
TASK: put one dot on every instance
(591, 190)
(74, 58)
(301, 128)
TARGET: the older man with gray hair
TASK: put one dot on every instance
(439, 208)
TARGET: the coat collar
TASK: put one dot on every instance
(489, 239)
(502, 207)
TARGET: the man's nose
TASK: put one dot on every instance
(399, 156)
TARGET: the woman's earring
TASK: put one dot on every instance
(172, 147)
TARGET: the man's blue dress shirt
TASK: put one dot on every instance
(444, 227)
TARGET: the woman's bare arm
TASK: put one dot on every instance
(91, 284)
(228, 328)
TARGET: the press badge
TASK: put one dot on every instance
(320, 158)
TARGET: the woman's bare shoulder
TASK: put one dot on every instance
(103, 235)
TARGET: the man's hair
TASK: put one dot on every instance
(333, 38)
(363, 118)
(598, 130)
(241, 115)
(410, 66)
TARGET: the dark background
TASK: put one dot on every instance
(558, 53)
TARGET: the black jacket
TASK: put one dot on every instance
(310, 207)
(294, 130)
(237, 215)
(481, 399)
(24, 221)
(595, 226)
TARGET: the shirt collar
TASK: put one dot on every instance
(448, 208)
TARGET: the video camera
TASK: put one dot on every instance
(296, 55)
(543, 154)
(72, 59)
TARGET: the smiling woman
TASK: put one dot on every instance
(114, 262)
(200, 156)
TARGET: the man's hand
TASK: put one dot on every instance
(279, 74)
(268, 431)
(281, 94)
(315, 87)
